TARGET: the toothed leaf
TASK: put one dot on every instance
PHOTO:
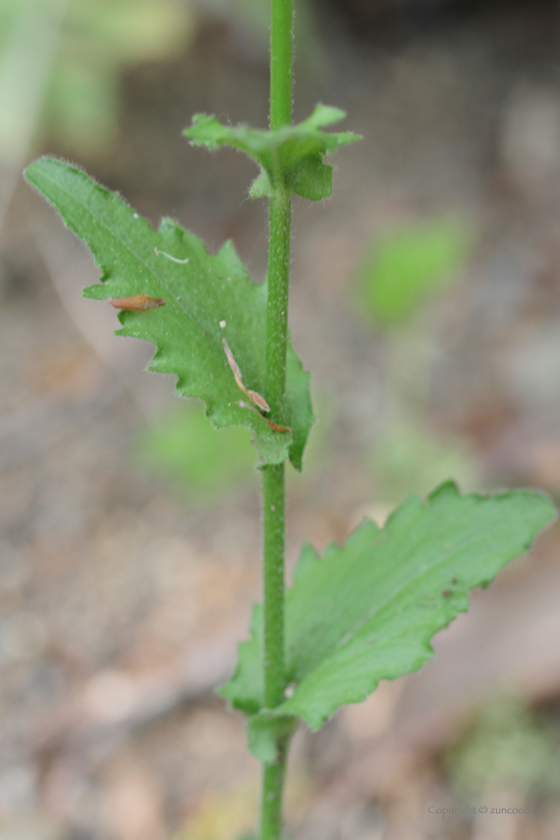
(367, 611)
(208, 298)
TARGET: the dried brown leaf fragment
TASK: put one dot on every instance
(137, 303)
(255, 398)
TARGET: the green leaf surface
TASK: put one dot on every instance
(289, 158)
(367, 611)
(207, 298)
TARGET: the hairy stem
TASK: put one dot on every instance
(273, 476)
(273, 784)
(281, 42)
(273, 537)
(277, 306)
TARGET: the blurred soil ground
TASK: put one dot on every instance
(121, 604)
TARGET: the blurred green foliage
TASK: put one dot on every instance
(70, 89)
(508, 745)
(99, 38)
(405, 267)
(61, 61)
(401, 271)
(408, 459)
(202, 462)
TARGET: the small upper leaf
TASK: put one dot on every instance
(206, 299)
(367, 611)
(290, 158)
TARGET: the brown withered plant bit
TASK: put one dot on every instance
(138, 303)
(276, 427)
(255, 398)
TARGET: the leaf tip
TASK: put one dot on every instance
(36, 166)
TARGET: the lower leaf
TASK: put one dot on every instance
(367, 611)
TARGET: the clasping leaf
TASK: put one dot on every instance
(367, 611)
(290, 158)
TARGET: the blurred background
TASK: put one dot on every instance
(426, 301)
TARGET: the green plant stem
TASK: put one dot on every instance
(277, 306)
(273, 538)
(273, 475)
(274, 507)
(273, 784)
(281, 47)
